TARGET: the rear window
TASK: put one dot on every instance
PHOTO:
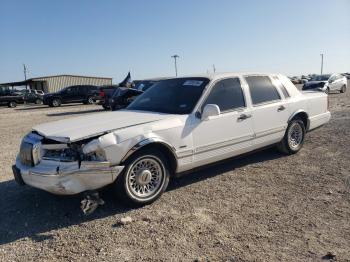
(262, 90)
(281, 86)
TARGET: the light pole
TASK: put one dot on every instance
(25, 74)
(175, 61)
(321, 64)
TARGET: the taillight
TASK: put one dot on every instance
(102, 93)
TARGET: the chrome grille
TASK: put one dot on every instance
(26, 154)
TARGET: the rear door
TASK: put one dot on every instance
(270, 112)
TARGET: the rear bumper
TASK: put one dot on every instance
(66, 178)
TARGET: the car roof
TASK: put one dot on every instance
(215, 76)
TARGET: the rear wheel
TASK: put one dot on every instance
(105, 107)
(89, 100)
(144, 179)
(327, 90)
(343, 89)
(12, 104)
(293, 139)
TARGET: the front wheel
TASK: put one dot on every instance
(293, 139)
(144, 179)
(343, 89)
(56, 102)
(12, 104)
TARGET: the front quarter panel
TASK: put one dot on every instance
(170, 131)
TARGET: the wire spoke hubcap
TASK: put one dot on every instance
(145, 177)
(295, 136)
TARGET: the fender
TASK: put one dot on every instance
(298, 112)
(148, 141)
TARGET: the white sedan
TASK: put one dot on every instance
(175, 126)
(327, 83)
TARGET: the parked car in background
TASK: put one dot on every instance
(177, 125)
(304, 79)
(86, 94)
(347, 75)
(105, 93)
(39, 92)
(327, 83)
(123, 96)
(116, 96)
(296, 80)
(30, 96)
(10, 98)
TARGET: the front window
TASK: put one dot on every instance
(227, 94)
(173, 96)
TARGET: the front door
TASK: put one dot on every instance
(228, 134)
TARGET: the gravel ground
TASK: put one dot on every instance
(260, 207)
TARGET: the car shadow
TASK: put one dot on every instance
(27, 212)
(224, 166)
(76, 112)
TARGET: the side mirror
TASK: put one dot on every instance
(210, 110)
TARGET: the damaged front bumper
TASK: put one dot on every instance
(66, 178)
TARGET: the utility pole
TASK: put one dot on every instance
(25, 73)
(321, 64)
(175, 61)
(214, 68)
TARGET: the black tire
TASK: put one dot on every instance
(56, 102)
(130, 180)
(293, 142)
(38, 101)
(343, 89)
(12, 104)
(89, 101)
(327, 90)
(105, 107)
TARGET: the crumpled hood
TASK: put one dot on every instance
(78, 128)
(314, 83)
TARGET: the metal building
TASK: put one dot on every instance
(50, 84)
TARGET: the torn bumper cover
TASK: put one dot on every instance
(66, 178)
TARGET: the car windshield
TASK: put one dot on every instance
(321, 78)
(173, 96)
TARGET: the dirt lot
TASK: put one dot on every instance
(261, 207)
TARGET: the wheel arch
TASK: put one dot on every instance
(156, 143)
(303, 116)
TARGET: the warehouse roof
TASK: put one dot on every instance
(34, 79)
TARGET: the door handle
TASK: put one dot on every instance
(281, 108)
(244, 117)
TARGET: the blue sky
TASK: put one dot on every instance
(109, 38)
